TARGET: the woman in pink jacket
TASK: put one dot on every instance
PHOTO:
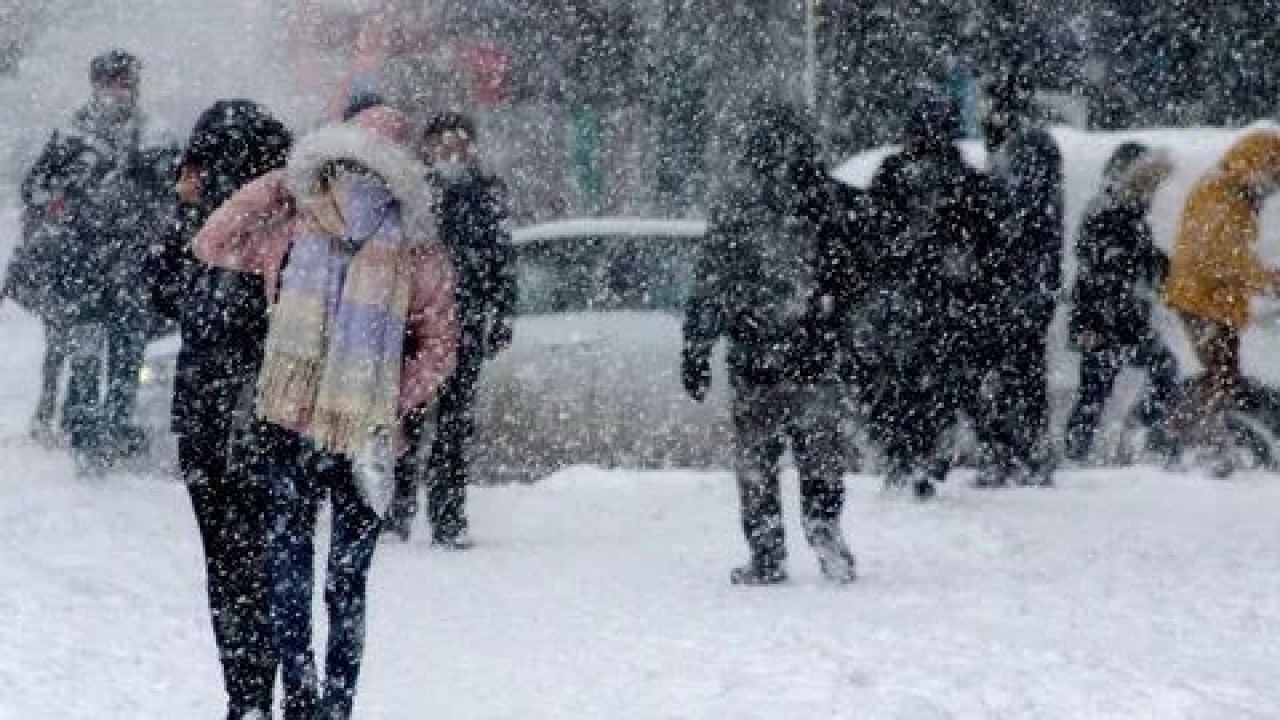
(362, 333)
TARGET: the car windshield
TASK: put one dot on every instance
(605, 273)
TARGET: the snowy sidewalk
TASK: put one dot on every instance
(603, 595)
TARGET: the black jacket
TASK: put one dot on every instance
(1030, 166)
(221, 314)
(772, 279)
(938, 272)
(473, 226)
(93, 201)
(1118, 271)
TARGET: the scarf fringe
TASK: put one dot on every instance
(282, 382)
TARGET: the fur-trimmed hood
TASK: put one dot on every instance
(404, 174)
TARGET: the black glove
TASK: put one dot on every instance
(696, 375)
(500, 336)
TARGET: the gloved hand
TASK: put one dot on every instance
(696, 375)
(500, 335)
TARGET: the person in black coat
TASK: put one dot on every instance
(473, 225)
(93, 200)
(1118, 273)
(761, 283)
(1027, 160)
(221, 315)
(931, 305)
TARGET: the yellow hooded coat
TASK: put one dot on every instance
(1213, 270)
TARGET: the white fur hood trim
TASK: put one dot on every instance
(404, 174)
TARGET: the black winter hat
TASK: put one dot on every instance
(935, 120)
(238, 139)
(777, 134)
(113, 67)
(449, 121)
(1123, 158)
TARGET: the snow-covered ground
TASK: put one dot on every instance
(1122, 594)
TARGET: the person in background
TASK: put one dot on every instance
(361, 335)
(1026, 159)
(758, 283)
(222, 318)
(932, 303)
(1118, 272)
(473, 226)
(1214, 273)
(90, 180)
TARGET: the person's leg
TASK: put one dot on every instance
(447, 493)
(82, 409)
(408, 473)
(208, 502)
(1201, 416)
(1158, 401)
(291, 549)
(1024, 402)
(814, 429)
(758, 420)
(355, 535)
(55, 355)
(1098, 372)
(125, 351)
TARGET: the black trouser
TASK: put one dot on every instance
(765, 418)
(92, 417)
(919, 403)
(1099, 369)
(1022, 398)
(448, 466)
(231, 510)
(57, 348)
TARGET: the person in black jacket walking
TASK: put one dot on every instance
(222, 319)
(932, 300)
(1027, 160)
(1119, 269)
(760, 283)
(473, 226)
(91, 181)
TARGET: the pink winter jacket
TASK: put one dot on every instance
(252, 232)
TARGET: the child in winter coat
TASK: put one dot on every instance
(1119, 268)
(362, 332)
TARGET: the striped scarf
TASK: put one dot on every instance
(336, 339)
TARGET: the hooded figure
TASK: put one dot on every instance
(938, 220)
(1214, 273)
(1026, 160)
(1117, 275)
(760, 284)
(361, 333)
(92, 199)
(473, 226)
(221, 315)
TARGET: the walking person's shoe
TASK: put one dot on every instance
(398, 521)
(456, 540)
(835, 560)
(760, 570)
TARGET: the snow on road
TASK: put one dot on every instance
(1122, 594)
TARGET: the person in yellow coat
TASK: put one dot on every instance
(1214, 273)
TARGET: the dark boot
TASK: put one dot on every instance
(761, 570)
(834, 557)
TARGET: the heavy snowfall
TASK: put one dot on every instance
(394, 359)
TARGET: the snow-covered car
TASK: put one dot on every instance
(593, 375)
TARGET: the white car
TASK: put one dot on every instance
(593, 375)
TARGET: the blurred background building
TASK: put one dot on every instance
(620, 106)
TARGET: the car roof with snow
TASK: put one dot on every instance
(608, 227)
